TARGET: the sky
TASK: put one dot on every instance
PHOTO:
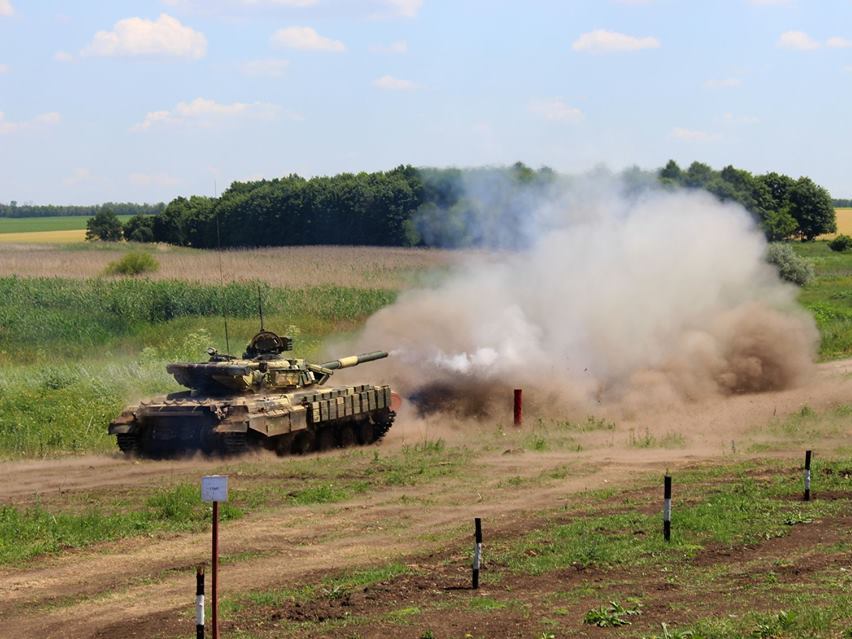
(144, 100)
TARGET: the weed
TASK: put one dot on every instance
(671, 634)
(612, 615)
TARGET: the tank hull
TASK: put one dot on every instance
(298, 422)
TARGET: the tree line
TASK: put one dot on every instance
(13, 209)
(489, 206)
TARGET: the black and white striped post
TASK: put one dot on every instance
(477, 551)
(199, 602)
(667, 507)
(807, 475)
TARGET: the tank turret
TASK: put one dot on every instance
(262, 368)
(264, 398)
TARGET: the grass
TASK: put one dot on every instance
(299, 266)
(86, 519)
(32, 531)
(829, 297)
(705, 513)
(46, 224)
(727, 520)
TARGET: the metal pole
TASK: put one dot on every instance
(807, 475)
(199, 602)
(667, 507)
(477, 551)
(214, 580)
(519, 406)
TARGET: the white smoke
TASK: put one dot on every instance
(659, 298)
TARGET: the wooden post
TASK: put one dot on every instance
(519, 406)
(667, 507)
(199, 602)
(807, 475)
(214, 581)
(477, 551)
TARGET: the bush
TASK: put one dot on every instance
(790, 266)
(134, 263)
(840, 243)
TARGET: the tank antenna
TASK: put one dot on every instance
(260, 307)
(221, 273)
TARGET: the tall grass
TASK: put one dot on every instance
(70, 316)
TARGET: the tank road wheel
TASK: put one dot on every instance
(302, 443)
(382, 423)
(128, 443)
(234, 444)
(347, 436)
(326, 439)
(283, 445)
(365, 432)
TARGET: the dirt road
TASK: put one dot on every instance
(141, 584)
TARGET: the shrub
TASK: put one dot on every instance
(134, 263)
(790, 266)
(840, 243)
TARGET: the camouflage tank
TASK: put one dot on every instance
(263, 399)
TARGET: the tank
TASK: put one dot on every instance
(263, 399)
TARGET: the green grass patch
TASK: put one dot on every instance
(26, 532)
(731, 513)
(51, 223)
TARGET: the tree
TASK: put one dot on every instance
(139, 228)
(811, 206)
(671, 173)
(698, 174)
(104, 226)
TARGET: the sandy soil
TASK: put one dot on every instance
(128, 584)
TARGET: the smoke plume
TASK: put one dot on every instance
(636, 301)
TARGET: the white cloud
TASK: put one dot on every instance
(270, 67)
(4, 68)
(403, 8)
(165, 36)
(39, 121)
(723, 83)
(63, 56)
(202, 112)
(836, 42)
(798, 40)
(153, 179)
(6, 8)
(603, 41)
(398, 47)
(306, 39)
(730, 118)
(555, 109)
(390, 83)
(79, 176)
(691, 135)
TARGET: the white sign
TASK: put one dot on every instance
(214, 488)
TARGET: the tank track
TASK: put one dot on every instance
(380, 429)
(129, 444)
(234, 444)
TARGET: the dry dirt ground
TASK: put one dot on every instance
(144, 586)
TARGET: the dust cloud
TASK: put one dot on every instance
(640, 302)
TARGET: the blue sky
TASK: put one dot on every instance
(145, 100)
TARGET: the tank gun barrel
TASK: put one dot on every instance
(354, 360)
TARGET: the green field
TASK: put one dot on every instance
(42, 224)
